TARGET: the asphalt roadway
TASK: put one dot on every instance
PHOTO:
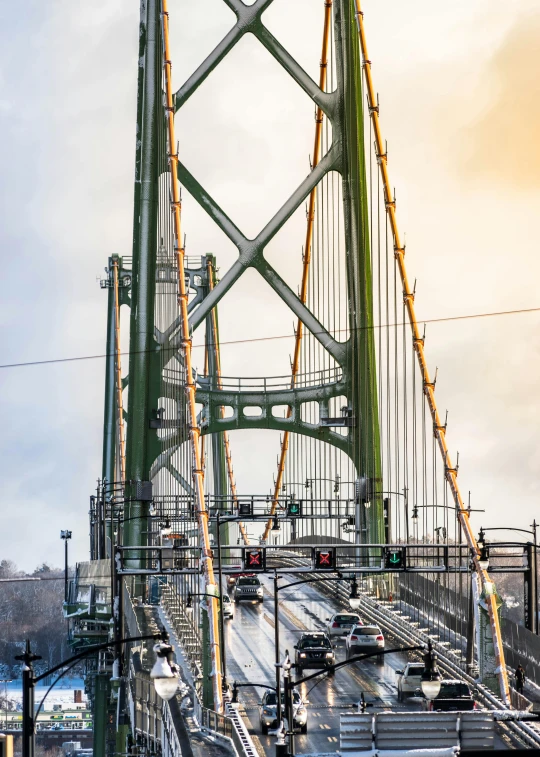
(250, 659)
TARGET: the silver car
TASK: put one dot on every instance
(367, 639)
(268, 711)
(341, 623)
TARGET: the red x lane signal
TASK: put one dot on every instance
(324, 559)
(254, 559)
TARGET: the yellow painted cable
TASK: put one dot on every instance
(211, 589)
(226, 444)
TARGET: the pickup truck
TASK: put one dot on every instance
(454, 696)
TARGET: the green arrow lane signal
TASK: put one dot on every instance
(394, 558)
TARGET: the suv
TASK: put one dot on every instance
(409, 679)
(248, 587)
(314, 650)
(268, 711)
(364, 639)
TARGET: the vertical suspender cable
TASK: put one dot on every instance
(307, 260)
(439, 429)
(211, 589)
(217, 358)
(118, 369)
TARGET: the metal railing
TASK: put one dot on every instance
(258, 384)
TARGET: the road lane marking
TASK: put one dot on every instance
(332, 738)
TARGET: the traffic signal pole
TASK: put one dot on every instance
(276, 646)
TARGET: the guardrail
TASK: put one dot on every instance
(416, 730)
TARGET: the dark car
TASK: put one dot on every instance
(314, 650)
(454, 696)
(248, 587)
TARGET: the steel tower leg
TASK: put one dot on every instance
(366, 452)
(143, 373)
(102, 691)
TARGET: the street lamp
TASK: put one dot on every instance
(431, 677)
(165, 676)
(165, 671)
(354, 598)
(66, 536)
(483, 557)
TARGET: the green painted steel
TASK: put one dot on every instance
(366, 448)
(109, 417)
(144, 369)
(102, 692)
(357, 379)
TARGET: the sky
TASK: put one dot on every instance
(459, 90)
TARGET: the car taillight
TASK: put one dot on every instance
(475, 706)
(335, 624)
(380, 637)
(354, 638)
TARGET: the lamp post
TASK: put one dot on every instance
(66, 536)
(165, 675)
(533, 578)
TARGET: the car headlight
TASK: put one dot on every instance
(266, 711)
(329, 654)
(302, 654)
(301, 711)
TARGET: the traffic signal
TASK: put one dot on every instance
(395, 557)
(245, 508)
(294, 509)
(254, 560)
(324, 559)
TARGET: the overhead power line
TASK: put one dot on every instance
(446, 319)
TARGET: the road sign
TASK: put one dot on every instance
(254, 559)
(324, 559)
(395, 558)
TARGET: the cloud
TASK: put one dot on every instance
(501, 141)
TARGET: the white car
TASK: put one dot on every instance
(228, 607)
(362, 639)
(409, 680)
(341, 623)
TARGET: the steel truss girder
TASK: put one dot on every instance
(251, 251)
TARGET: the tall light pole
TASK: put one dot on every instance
(66, 536)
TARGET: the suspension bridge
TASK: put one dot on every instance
(362, 485)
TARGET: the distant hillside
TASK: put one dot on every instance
(31, 610)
